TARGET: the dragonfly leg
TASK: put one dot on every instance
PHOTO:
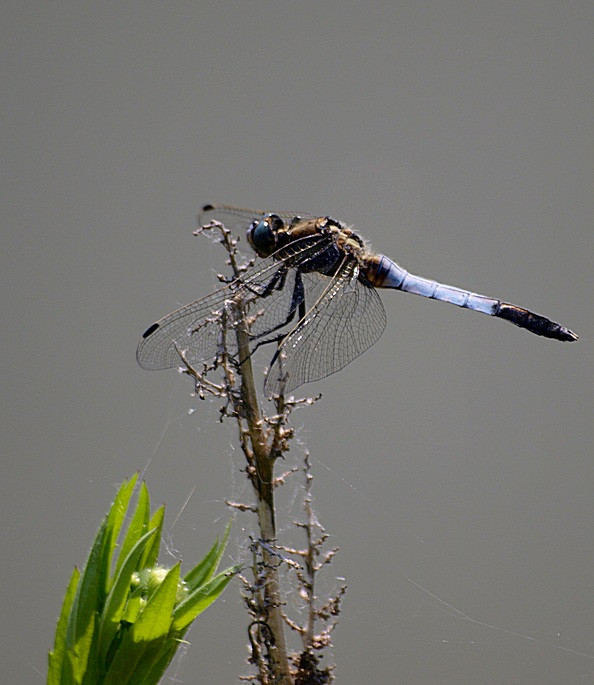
(297, 304)
(280, 338)
(297, 301)
(277, 282)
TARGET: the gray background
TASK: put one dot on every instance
(453, 460)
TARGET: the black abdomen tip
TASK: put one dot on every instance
(535, 323)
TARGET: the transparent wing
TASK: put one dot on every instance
(240, 217)
(345, 320)
(265, 291)
(196, 330)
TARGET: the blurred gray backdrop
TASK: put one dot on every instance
(453, 461)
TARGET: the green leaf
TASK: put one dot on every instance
(147, 642)
(116, 601)
(155, 619)
(89, 597)
(133, 605)
(201, 598)
(151, 553)
(124, 629)
(159, 666)
(56, 657)
(115, 519)
(205, 570)
(154, 653)
(138, 525)
(127, 660)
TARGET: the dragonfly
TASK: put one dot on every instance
(313, 291)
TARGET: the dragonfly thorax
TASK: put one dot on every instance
(271, 233)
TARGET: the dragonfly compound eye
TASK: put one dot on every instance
(262, 234)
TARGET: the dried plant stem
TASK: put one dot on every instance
(263, 439)
(309, 559)
(261, 472)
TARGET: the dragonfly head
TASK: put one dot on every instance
(263, 233)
